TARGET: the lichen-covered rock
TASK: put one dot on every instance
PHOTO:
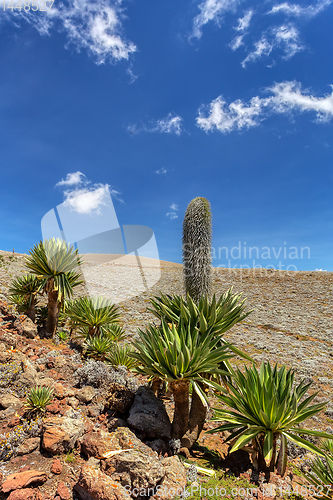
(148, 415)
(28, 446)
(60, 434)
(120, 398)
(8, 401)
(174, 480)
(95, 485)
(25, 327)
(86, 394)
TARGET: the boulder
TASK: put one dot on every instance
(8, 339)
(95, 485)
(120, 399)
(174, 481)
(28, 446)
(86, 394)
(8, 400)
(26, 494)
(60, 434)
(63, 491)
(25, 327)
(24, 479)
(148, 415)
(29, 377)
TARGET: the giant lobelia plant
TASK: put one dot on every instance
(214, 317)
(55, 265)
(264, 409)
(180, 355)
(197, 248)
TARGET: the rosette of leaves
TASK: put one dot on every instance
(38, 398)
(55, 265)
(180, 355)
(93, 314)
(97, 346)
(121, 356)
(264, 408)
(24, 290)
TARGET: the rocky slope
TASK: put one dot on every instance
(97, 411)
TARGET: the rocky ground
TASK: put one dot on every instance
(97, 410)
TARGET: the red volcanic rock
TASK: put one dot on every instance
(23, 479)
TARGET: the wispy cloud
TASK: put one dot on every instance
(173, 214)
(275, 41)
(72, 179)
(171, 124)
(284, 98)
(244, 22)
(284, 37)
(297, 10)
(92, 25)
(84, 197)
(212, 10)
(161, 171)
(242, 27)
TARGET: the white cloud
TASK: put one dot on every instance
(87, 200)
(284, 98)
(297, 10)
(236, 42)
(84, 197)
(244, 22)
(171, 124)
(72, 179)
(289, 96)
(284, 37)
(173, 214)
(161, 171)
(242, 28)
(93, 25)
(211, 10)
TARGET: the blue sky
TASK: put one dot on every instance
(162, 101)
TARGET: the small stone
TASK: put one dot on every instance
(73, 402)
(56, 467)
(63, 491)
(28, 446)
(86, 394)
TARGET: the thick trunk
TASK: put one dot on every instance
(262, 466)
(180, 390)
(273, 461)
(31, 311)
(156, 386)
(53, 310)
(196, 421)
